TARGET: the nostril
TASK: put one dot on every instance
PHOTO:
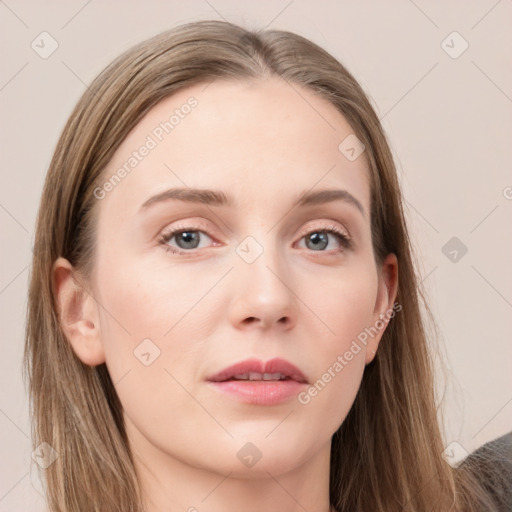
(252, 319)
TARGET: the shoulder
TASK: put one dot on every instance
(501, 445)
(492, 464)
(497, 451)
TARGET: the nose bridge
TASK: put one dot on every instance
(263, 287)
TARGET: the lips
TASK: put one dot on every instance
(276, 369)
(257, 383)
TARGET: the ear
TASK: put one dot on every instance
(384, 311)
(78, 313)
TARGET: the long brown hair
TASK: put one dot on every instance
(387, 454)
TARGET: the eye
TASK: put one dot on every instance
(318, 239)
(187, 239)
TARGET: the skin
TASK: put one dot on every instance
(209, 308)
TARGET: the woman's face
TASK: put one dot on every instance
(257, 276)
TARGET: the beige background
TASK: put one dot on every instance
(448, 119)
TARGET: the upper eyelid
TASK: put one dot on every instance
(186, 227)
(331, 224)
(197, 226)
(170, 232)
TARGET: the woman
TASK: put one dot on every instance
(223, 308)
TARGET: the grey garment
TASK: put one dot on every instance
(492, 462)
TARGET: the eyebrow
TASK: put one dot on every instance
(219, 198)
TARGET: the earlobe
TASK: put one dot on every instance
(78, 314)
(386, 295)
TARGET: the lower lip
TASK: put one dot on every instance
(259, 392)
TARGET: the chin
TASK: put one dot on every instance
(274, 464)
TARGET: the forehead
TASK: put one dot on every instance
(254, 140)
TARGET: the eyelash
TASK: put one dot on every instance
(167, 236)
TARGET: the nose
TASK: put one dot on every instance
(263, 295)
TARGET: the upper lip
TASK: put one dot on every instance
(276, 365)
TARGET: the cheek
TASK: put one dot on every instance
(344, 301)
(148, 331)
(137, 309)
(153, 308)
(345, 305)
